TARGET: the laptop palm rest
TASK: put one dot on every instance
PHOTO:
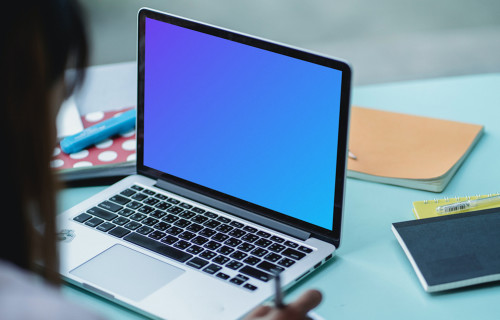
(116, 269)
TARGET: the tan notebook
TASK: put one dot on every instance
(407, 150)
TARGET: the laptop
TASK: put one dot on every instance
(241, 160)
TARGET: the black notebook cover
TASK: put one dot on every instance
(453, 251)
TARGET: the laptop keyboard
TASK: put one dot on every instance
(199, 238)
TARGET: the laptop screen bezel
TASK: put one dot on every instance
(331, 236)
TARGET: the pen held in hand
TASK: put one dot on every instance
(278, 294)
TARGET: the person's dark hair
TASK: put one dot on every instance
(40, 40)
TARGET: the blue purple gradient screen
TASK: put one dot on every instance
(250, 123)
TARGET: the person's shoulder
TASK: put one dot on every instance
(24, 295)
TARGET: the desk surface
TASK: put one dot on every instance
(371, 277)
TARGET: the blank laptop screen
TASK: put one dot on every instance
(250, 123)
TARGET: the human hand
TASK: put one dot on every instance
(296, 310)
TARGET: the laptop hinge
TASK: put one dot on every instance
(242, 213)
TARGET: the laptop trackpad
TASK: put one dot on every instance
(126, 272)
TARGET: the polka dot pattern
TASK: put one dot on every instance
(121, 148)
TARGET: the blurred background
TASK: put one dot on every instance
(384, 40)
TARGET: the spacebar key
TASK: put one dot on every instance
(158, 247)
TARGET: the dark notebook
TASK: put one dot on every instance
(453, 251)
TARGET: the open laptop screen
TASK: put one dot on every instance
(250, 123)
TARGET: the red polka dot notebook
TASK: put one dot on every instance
(112, 157)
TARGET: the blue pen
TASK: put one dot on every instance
(99, 132)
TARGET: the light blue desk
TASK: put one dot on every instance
(371, 278)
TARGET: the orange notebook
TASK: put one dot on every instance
(406, 150)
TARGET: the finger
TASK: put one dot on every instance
(307, 301)
(259, 312)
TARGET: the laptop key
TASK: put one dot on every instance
(194, 227)
(198, 210)
(161, 196)
(256, 273)
(194, 249)
(249, 237)
(182, 244)
(238, 255)
(210, 214)
(137, 216)
(134, 205)
(119, 199)
(225, 250)
(174, 230)
(139, 196)
(221, 275)
(275, 247)
(212, 268)
(186, 235)
(250, 287)
(305, 249)
(291, 244)
(125, 212)
(132, 225)
(187, 214)
(162, 226)
(223, 219)
(259, 252)
(151, 201)
(182, 223)
(212, 224)
(269, 267)
(263, 234)
(82, 217)
(234, 265)
(207, 232)
(103, 214)
(197, 263)
(149, 221)
(207, 254)
(273, 257)
(220, 237)
(245, 247)
(199, 219)
(263, 243)
(251, 260)
(236, 224)
(199, 240)
(169, 239)
(185, 205)
(236, 233)
(277, 239)
(224, 228)
(108, 205)
(119, 232)
(249, 229)
(294, 254)
(158, 247)
(285, 262)
(212, 245)
(136, 187)
(120, 221)
(144, 230)
(233, 242)
(128, 192)
(94, 222)
(220, 259)
(105, 227)
(156, 235)
(163, 205)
